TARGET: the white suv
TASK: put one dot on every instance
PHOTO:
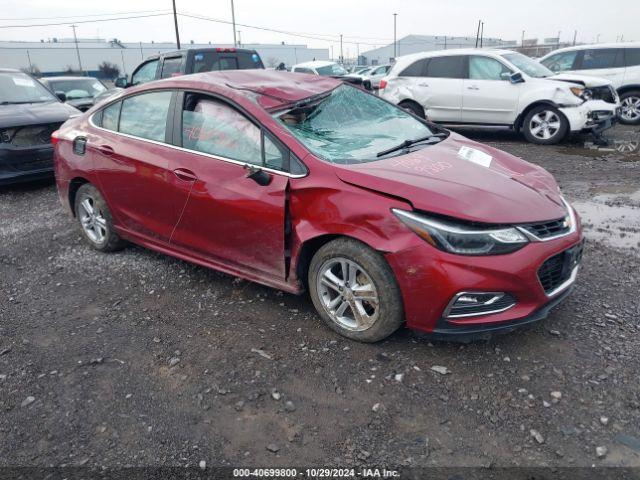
(500, 88)
(618, 62)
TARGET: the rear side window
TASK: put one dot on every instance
(213, 61)
(110, 116)
(561, 62)
(145, 115)
(303, 70)
(171, 66)
(485, 68)
(633, 56)
(446, 67)
(145, 73)
(601, 58)
(416, 69)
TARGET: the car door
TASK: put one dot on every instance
(131, 155)
(146, 72)
(562, 61)
(439, 89)
(488, 94)
(602, 62)
(171, 66)
(231, 216)
(632, 62)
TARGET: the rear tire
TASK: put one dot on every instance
(412, 107)
(545, 125)
(95, 220)
(630, 108)
(355, 291)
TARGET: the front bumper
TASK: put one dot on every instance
(22, 164)
(429, 279)
(591, 116)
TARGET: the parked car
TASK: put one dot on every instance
(375, 74)
(326, 68)
(500, 88)
(79, 92)
(383, 217)
(193, 60)
(29, 113)
(617, 62)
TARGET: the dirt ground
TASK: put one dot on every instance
(139, 359)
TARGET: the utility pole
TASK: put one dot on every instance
(233, 21)
(175, 22)
(481, 33)
(341, 56)
(395, 45)
(478, 33)
(75, 39)
(575, 34)
(239, 39)
(357, 53)
(558, 42)
(141, 54)
(30, 65)
(522, 41)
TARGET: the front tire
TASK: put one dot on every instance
(545, 125)
(630, 108)
(355, 291)
(95, 220)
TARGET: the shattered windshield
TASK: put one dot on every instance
(528, 65)
(351, 126)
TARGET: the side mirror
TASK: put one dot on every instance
(121, 82)
(516, 78)
(61, 96)
(258, 175)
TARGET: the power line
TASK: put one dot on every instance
(84, 16)
(85, 21)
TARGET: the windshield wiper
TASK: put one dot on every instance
(433, 138)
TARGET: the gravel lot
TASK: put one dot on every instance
(139, 359)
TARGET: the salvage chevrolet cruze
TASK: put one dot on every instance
(302, 182)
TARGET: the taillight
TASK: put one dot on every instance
(55, 137)
(383, 84)
(219, 49)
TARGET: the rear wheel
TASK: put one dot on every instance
(413, 107)
(545, 125)
(95, 220)
(355, 291)
(630, 107)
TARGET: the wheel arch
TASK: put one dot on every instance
(413, 102)
(628, 88)
(74, 186)
(517, 125)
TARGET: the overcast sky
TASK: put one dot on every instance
(369, 23)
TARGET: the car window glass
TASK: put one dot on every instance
(632, 56)
(599, 58)
(210, 126)
(18, 87)
(416, 69)
(171, 66)
(561, 61)
(225, 63)
(145, 73)
(303, 70)
(445, 67)
(110, 116)
(485, 68)
(145, 115)
(273, 154)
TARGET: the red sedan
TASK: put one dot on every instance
(305, 183)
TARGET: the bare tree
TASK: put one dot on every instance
(109, 70)
(272, 62)
(33, 70)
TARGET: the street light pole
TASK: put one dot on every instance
(341, 56)
(233, 21)
(175, 22)
(395, 47)
(75, 39)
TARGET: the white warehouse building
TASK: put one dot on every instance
(58, 56)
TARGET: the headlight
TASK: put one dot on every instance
(583, 93)
(461, 239)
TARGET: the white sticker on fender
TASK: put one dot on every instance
(475, 156)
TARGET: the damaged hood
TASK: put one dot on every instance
(463, 179)
(19, 115)
(583, 80)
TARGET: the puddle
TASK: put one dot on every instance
(612, 218)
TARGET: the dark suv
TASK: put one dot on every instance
(182, 62)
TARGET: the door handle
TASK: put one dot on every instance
(473, 87)
(185, 174)
(105, 149)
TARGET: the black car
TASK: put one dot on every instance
(79, 92)
(194, 60)
(29, 114)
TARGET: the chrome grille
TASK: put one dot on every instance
(552, 228)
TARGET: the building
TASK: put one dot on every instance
(425, 43)
(58, 56)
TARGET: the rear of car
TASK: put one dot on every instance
(79, 92)
(619, 63)
(29, 114)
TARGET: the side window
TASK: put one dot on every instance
(446, 67)
(171, 66)
(110, 116)
(485, 68)
(561, 62)
(225, 63)
(213, 127)
(416, 69)
(145, 73)
(601, 58)
(633, 57)
(145, 115)
(304, 70)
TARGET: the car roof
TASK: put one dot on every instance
(68, 78)
(10, 70)
(314, 64)
(594, 46)
(208, 49)
(271, 89)
(405, 60)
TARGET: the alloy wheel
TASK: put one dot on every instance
(544, 125)
(92, 220)
(348, 294)
(630, 109)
